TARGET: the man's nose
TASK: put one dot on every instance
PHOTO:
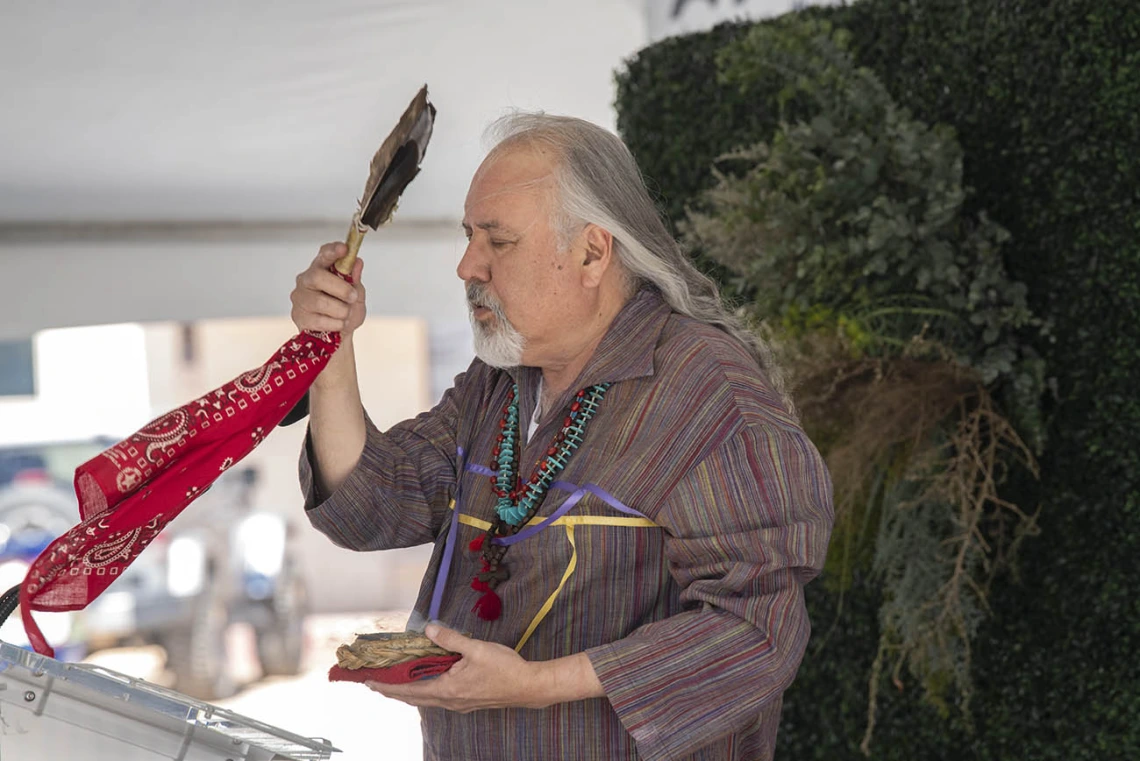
(472, 266)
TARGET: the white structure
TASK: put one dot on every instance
(55, 710)
(185, 160)
(175, 161)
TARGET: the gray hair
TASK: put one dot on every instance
(597, 181)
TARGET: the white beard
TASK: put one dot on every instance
(499, 344)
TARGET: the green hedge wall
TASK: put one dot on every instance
(1045, 97)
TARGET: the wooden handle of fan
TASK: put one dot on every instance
(352, 240)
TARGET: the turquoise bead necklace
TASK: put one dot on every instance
(518, 500)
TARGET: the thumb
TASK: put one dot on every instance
(330, 252)
(448, 639)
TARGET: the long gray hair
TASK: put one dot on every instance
(598, 182)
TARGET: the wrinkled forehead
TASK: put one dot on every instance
(513, 175)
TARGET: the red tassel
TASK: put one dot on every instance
(480, 586)
(477, 543)
(488, 607)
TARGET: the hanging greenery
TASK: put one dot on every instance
(897, 324)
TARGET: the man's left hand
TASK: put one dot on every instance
(488, 676)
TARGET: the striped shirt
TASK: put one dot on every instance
(692, 615)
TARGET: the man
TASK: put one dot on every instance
(623, 506)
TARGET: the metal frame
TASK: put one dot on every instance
(51, 709)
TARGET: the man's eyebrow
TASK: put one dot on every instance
(489, 225)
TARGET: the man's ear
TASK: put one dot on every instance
(597, 254)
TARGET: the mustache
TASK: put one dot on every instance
(478, 295)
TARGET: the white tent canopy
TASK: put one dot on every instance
(258, 110)
(185, 160)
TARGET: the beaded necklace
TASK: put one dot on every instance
(518, 501)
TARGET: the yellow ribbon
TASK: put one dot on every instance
(569, 521)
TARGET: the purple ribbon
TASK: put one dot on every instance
(578, 492)
(448, 547)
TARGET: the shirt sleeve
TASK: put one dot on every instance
(745, 530)
(399, 491)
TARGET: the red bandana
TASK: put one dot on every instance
(128, 493)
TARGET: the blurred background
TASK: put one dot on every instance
(929, 207)
(165, 172)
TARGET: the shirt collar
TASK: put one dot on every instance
(625, 351)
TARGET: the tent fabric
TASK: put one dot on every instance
(216, 110)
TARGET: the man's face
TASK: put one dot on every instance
(522, 292)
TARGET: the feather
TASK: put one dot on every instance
(393, 167)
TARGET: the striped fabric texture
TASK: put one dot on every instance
(695, 625)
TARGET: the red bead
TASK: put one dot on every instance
(545, 465)
(500, 439)
(567, 422)
(575, 407)
(581, 393)
(494, 464)
(502, 423)
(495, 452)
(552, 451)
(534, 479)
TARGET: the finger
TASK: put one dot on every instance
(315, 304)
(395, 690)
(357, 283)
(415, 694)
(329, 253)
(323, 281)
(448, 639)
(327, 306)
(319, 324)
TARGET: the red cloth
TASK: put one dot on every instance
(128, 493)
(412, 671)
